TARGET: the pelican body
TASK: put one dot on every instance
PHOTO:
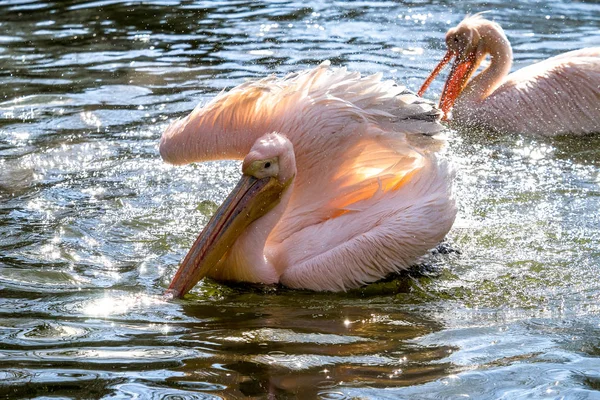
(558, 96)
(341, 184)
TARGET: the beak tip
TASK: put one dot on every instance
(171, 294)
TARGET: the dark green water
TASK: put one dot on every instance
(93, 224)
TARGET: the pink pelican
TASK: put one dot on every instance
(341, 184)
(560, 95)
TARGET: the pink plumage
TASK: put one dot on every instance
(369, 194)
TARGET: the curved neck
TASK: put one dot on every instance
(494, 43)
(249, 259)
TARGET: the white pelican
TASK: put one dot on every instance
(560, 95)
(340, 187)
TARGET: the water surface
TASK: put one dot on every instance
(93, 224)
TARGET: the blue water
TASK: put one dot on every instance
(93, 224)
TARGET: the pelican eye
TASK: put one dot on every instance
(264, 168)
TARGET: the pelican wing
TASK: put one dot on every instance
(374, 167)
(371, 169)
(313, 102)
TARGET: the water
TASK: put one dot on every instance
(93, 224)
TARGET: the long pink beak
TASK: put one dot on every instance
(250, 199)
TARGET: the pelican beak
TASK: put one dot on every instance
(251, 199)
(435, 72)
(462, 69)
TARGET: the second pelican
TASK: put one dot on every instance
(560, 95)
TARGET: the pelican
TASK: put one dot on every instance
(560, 95)
(341, 181)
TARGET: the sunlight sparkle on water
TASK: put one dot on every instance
(21, 135)
(111, 306)
(50, 251)
(268, 27)
(534, 152)
(261, 52)
(41, 206)
(417, 18)
(89, 118)
(145, 38)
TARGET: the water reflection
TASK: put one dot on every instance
(313, 348)
(93, 224)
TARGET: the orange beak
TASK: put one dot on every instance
(462, 69)
(447, 57)
(251, 199)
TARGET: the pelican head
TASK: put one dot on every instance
(468, 43)
(267, 173)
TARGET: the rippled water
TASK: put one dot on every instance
(93, 224)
